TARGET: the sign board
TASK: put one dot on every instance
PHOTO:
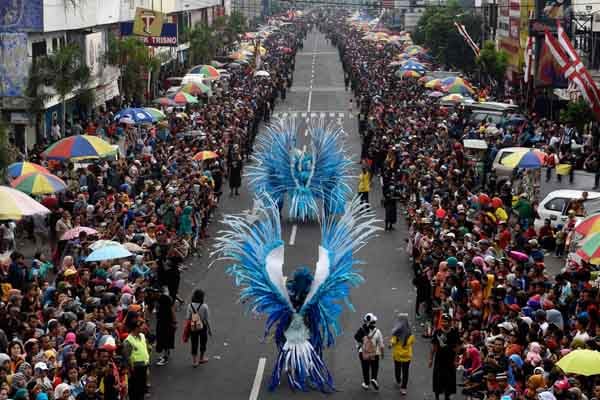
(20, 118)
(94, 51)
(14, 64)
(147, 22)
(168, 35)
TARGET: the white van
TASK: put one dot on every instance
(557, 204)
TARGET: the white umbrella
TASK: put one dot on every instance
(98, 244)
(262, 73)
(475, 144)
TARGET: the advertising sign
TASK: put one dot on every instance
(94, 50)
(167, 37)
(147, 22)
(21, 16)
(14, 67)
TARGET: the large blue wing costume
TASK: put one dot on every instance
(256, 252)
(322, 174)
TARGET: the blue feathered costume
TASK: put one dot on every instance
(302, 312)
(306, 177)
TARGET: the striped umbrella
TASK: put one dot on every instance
(589, 225)
(434, 84)
(454, 98)
(37, 183)
(407, 74)
(155, 113)
(22, 168)
(208, 71)
(79, 147)
(182, 97)
(205, 155)
(590, 250)
(524, 159)
(15, 204)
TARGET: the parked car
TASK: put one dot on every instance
(556, 206)
(502, 171)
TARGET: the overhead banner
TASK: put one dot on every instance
(148, 22)
(21, 15)
(14, 68)
(94, 52)
(167, 37)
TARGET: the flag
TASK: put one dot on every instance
(463, 32)
(529, 58)
(577, 65)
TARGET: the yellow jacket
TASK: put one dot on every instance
(399, 351)
(364, 182)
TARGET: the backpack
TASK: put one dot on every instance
(369, 348)
(196, 323)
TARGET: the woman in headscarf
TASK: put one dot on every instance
(516, 376)
(401, 344)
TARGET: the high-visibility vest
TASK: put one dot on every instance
(139, 352)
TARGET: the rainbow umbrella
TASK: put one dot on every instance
(395, 64)
(155, 113)
(453, 98)
(205, 155)
(412, 65)
(182, 97)
(208, 71)
(434, 84)
(407, 74)
(590, 249)
(164, 101)
(457, 88)
(436, 94)
(425, 79)
(196, 89)
(15, 204)
(403, 56)
(22, 168)
(37, 183)
(78, 147)
(524, 159)
(589, 225)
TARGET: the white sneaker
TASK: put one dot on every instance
(364, 386)
(162, 361)
(375, 384)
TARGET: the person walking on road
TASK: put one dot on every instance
(364, 185)
(444, 346)
(401, 344)
(166, 324)
(370, 350)
(198, 315)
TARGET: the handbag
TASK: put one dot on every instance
(186, 331)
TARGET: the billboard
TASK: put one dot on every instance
(94, 51)
(147, 22)
(167, 37)
(14, 69)
(21, 16)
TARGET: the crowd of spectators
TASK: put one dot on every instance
(71, 329)
(484, 294)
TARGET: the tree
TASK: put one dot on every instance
(436, 31)
(66, 72)
(37, 82)
(204, 43)
(494, 63)
(578, 113)
(134, 60)
(5, 157)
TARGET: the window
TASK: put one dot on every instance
(54, 45)
(62, 42)
(38, 49)
(556, 204)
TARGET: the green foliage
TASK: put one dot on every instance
(493, 62)
(204, 43)
(578, 113)
(36, 82)
(436, 31)
(5, 158)
(134, 59)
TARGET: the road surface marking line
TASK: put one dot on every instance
(331, 115)
(260, 370)
(294, 231)
(309, 101)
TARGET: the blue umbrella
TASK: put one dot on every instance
(138, 115)
(414, 66)
(108, 253)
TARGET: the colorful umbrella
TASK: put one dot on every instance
(395, 64)
(208, 71)
(457, 85)
(22, 168)
(138, 115)
(589, 225)
(15, 204)
(134, 248)
(196, 89)
(526, 159)
(79, 147)
(408, 74)
(37, 183)
(74, 233)
(98, 244)
(454, 98)
(412, 65)
(205, 155)
(155, 113)
(581, 362)
(590, 250)
(164, 101)
(109, 253)
(425, 79)
(182, 97)
(434, 84)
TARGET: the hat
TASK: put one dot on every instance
(70, 338)
(370, 317)
(507, 326)
(514, 307)
(533, 242)
(452, 261)
(41, 366)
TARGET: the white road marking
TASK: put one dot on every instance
(293, 234)
(260, 370)
(309, 100)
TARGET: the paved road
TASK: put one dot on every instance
(237, 345)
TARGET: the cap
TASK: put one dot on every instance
(370, 317)
(41, 365)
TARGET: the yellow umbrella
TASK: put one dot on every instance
(15, 204)
(581, 362)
